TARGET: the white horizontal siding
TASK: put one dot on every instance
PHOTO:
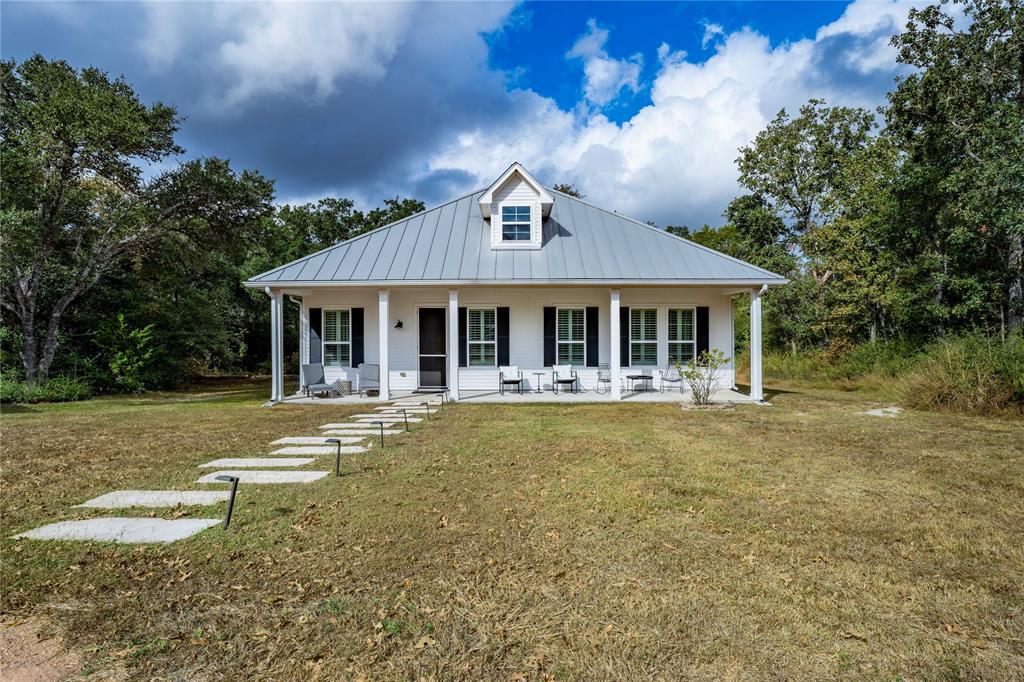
(526, 325)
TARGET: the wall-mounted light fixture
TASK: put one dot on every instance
(399, 325)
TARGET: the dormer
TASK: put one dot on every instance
(516, 204)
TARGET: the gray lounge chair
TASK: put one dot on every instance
(313, 376)
(369, 377)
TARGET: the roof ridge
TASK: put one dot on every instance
(667, 234)
(350, 240)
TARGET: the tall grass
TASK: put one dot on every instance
(972, 373)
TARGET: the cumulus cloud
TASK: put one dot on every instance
(674, 161)
(710, 31)
(604, 77)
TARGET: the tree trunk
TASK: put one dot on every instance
(873, 333)
(1015, 308)
(30, 353)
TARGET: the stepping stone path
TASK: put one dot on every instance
(261, 477)
(125, 530)
(258, 462)
(361, 428)
(155, 498)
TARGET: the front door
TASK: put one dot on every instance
(433, 355)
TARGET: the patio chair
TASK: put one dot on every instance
(314, 382)
(604, 378)
(369, 377)
(670, 375)
(510, 376)
(564, 375)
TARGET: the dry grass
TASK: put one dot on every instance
(804, 540)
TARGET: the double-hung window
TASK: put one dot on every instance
(682, 346)
(337, 333)
(643, 337)
(571, 336)
(515, 223)
(481, 335)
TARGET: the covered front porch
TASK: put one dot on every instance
(423, 339)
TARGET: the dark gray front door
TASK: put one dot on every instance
(433, 354)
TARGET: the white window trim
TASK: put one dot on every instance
(653, 342)
(536, 226)
(559, 343)
(529, 223)
(324, 342)
(668, 331)
(469, 341)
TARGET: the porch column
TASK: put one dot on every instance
(613, 345)
(756, 390)
(276, 345)
(453, 344)
(384, 325)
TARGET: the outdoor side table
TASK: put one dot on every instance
(540, 380)
(633, 378)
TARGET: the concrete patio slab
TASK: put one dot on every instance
(264, 477)
(314, 440)
(257, 462)
(321, 449)
(155, 498)
(124, 530)
(356, 425)
(371, 431)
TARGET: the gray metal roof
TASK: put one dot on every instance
(452, 244)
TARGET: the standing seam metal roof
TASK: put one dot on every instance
(451, 243)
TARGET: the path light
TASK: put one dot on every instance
(233, 480)
(337, 457)
(406, 416)
(426, 409)
(381, 424)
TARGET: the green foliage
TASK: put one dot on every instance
(53, 390)
(571, 190)
(126, 352)
(701, 375)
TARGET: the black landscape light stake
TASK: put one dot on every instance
(426, 409)
(337, 457)
(381, 424)
(406, 417)
(233, 480)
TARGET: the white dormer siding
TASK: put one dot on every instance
(515, 193)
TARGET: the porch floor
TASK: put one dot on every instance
(669, 396)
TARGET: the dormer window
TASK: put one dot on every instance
(515, 223)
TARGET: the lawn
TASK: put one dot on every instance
(803, 540)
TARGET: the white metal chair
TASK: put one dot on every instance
(670, 375)
(564, 375)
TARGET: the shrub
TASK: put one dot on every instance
(702, 375)
(972, 373)
(54, 390)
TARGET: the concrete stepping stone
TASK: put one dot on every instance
(124, 530)
(257, 462)
(362, 431)
(321, 449)
(351, 425)
(377, 417)
(399, 410)
(155, 498)
(314, 440)
(261, 477)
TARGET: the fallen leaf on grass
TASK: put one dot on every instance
(423, 642)
(850, 634)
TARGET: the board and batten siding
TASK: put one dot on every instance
(526, 324)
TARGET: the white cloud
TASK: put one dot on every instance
(674, 160)
(710, 31)
(604, 77)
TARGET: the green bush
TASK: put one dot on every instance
(55, 390)
(973, 373)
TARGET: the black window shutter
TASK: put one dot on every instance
(703, 333)
(463, 335)
(357, 337)
(315, 330)
(592, 336)
(549, 337)
(502, 337)
(624, 336)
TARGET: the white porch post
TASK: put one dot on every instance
(613, 345)
(276, 345)
(384, 325)
(453, 344)
(756, 389)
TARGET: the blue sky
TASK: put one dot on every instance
(641, 105)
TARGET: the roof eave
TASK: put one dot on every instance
(319, 284)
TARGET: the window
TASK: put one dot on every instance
(682, 347)
(515, 223)
(480, 335)
(337, 338)
(571, 335)
(643, 336)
